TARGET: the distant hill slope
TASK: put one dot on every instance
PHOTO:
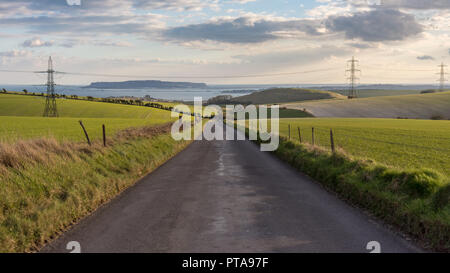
(31, 106)
(145, 84)
(283, 95)
(422, 106)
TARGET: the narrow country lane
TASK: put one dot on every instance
(227, 196)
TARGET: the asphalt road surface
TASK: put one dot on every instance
(227, 196)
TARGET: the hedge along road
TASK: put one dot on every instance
(227, 196)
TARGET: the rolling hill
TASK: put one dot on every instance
(399, 143)
(32, 106)
(283, 95)
(21, 118)
(423, 106)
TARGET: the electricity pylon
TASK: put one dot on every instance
(353, 78)
(442, 78)
(50, 109)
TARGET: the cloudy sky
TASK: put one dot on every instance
(226, 41)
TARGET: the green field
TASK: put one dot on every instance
(283, 95)
(21, 105)
(21, 118)
(405, 144)
(14, 128)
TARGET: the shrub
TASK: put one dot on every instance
(442, 198)
(415, 183)
(437, 117)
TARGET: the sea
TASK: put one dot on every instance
(185, 94)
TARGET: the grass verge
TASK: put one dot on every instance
(48, 185)
(416, 201)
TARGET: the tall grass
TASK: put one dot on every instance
(416, 200)
(47, 185)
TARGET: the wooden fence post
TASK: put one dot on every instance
(332, 141)
(289, 131)
(104, 135)
(299, 135)
(85, 132)
(312, 138)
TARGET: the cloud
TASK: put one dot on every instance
(37, 42)
(80, 42)
(242, 30)
(360, 45)
(112, 43)
(293, 57)
(425, 58)
(87, 25)
(417, 4)
(108, 5)
(15, 53)
(377, 25)
(178, 5)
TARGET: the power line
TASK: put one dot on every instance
(176, 77)
(197, 76)
(353, 78)
(50, 102)
(442, 78)
(369, 67)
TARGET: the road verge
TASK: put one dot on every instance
(414, 201)
(48, 185)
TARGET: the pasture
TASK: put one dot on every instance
(21, 118)
(14, 128)
(32, 106)
(407, 144)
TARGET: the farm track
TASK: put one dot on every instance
(227, 196)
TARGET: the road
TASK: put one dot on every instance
(227, 196)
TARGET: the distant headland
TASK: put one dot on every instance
(145, 84)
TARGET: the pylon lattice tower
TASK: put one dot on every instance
(353, 77)
(442, 78)
(50, 102)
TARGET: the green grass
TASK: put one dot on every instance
(406, 144)
(59, 183)
(417, 201)
(14, 128)
(283, 113)
(21, 118)
(50, 178)
(21, 105)
(283, 95)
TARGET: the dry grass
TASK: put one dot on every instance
(47, 185)
(45, 151)
(147, 131)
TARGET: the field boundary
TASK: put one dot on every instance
(362, 184)
(77, 178)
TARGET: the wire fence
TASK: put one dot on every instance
(343, 138)
(431, 151)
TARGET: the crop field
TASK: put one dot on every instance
(21, 105)
(21, 118)
(13, 128)
(368, 93)
(423, 106)
(407, 144)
